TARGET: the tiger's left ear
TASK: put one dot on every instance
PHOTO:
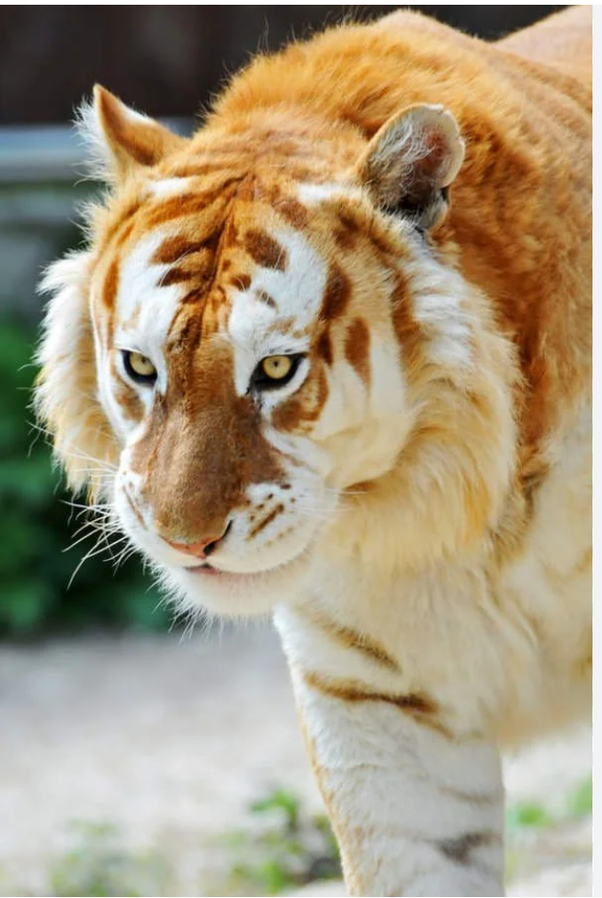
(120, 140)
(411, 161)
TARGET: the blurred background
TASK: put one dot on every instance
(121, 770)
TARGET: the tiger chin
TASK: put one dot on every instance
(331, 357)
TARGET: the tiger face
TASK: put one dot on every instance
(242, 333)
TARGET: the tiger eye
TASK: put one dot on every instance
(276, 366)
(139, 366)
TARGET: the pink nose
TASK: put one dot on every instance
(199, 550)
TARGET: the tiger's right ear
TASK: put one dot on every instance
(411, 161)
(122, 141)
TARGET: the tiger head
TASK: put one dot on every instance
(250, 338)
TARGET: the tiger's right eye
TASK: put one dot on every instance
(140, 369)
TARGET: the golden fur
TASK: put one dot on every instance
(406, 212)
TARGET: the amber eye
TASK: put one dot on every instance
(275, 371)
(276, 367)
(139, 368)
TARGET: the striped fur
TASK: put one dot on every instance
(404, 212)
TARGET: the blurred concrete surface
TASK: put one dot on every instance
(170, 740)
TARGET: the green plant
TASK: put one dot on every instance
(288, 848)
(528, 814)
(36, 526)
(580, 802)
(534, 815)
(99, 866)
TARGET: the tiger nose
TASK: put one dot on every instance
(201, 549)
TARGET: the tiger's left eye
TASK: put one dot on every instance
(139, 368)
(275, 371)
(277, 367)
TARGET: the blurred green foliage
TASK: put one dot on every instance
(100, 866)
(290, 849)
(36, 526)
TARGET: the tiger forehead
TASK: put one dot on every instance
(283, 245)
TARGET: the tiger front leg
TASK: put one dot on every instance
(416, 809)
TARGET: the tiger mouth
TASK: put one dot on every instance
(207, 569)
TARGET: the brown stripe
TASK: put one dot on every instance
(324, 347)
(123, 235)
(175, 248)
(267, 520)
(459, 849)
(122, 225)
(337, 295)
(264, 297)
(349, 638)
(111, 282)
(241, 281)
(417, 704)
(190, 203)
(264, 250)
(357, 346)
(294, 212)
(176, 276)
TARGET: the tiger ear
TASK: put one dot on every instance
(121, 140)
(411, 161)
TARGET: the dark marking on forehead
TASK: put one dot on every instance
(191, 203)
(193, 296)
(348, 221)
(185, 333)
(344, 239)
(357, 346)
(197, 263)
(293, 211)
(264, 250)
(194, 169)
(265, 298)
(347, 230)
(175, 248)
(337, 295)
(231, 233)
(241, 281)
(123, 224)
(176, 276)
(324, 347)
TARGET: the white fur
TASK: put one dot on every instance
(386, 773)
(168, 187)
(144, 312)
(298, 292)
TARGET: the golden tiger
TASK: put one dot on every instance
(331, 356)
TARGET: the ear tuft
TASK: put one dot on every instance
(120, 140)
(411, 161)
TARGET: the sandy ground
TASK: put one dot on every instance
(169, 740)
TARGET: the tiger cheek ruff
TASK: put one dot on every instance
(330, 357)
